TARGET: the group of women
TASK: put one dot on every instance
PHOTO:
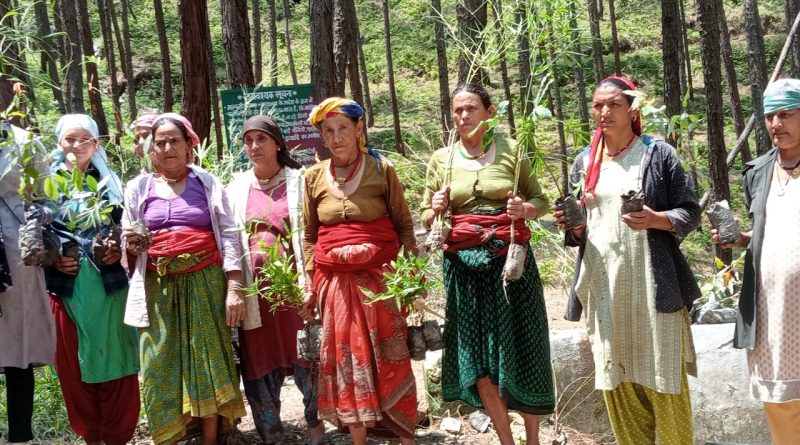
(342, 221)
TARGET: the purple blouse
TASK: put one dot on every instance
(187, 210)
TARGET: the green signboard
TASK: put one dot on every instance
(289, 105)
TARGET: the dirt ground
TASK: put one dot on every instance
(292, 411)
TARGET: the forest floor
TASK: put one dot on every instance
(292, 412)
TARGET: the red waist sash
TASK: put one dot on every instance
(473, 230)
(182, 251)
(380, 233)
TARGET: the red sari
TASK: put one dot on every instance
(365, 372)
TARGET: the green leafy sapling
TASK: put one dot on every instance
(82, 202)
(276, 280)
(408, 281)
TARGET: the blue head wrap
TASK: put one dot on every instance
(783, 94)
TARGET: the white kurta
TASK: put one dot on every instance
(27, 332)
(774, 361)
(631, 341)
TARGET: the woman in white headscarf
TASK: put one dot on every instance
(768, 325)
(96, 353)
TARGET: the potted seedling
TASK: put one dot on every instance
(632, 201)
(38, 246)
(83, 206)
(407, 283)
(721, 217)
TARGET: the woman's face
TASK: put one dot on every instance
(80, 143)
(341, 135)
(141, 134)
(261, 149)
(612, 112)
(171, 149)
(784, 128)
(468, 112)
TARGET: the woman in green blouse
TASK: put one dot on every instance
(497, 353)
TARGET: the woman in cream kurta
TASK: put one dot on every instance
(633, 342)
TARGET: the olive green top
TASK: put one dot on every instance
(482, 190)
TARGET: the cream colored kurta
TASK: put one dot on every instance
(631, 342)
(774, 361)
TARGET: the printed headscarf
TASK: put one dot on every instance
(598, 143)
(145, 120)
(99, 159)
(783, 94)
(333, 106)
(194, 139)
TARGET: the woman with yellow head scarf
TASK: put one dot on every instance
(356, 219)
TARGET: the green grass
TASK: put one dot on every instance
(49, 412)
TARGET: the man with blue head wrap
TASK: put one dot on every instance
(768, 325)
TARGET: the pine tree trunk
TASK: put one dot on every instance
(163, 44)
(111, 61)
(73, 78)
(353, 60)
(758, 71)
(289, 56)
(362, 65)
(212, 73)
(398, 137)
(791, 8)
(344, 41)
(18, 66)
(441, 58)
(497, 10)
(555, 92)
(49, 51)
(733, 84)
(129, 78)
(597, 43)
(523, 57)
(258, 60)
(118, 34)
(708, 12)
(580, 78)
(612, 17)
(670, 51)
(236, 44)
(92, 76)
(195, 64)
(472, 16)
(61, 43)
(273, 43)
(322, 65)
(687, 58)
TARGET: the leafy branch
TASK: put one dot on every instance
(81, 198)
(407, 282)
(276, 280)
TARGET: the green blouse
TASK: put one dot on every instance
(484, 190)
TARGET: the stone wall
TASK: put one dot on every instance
(722, 408)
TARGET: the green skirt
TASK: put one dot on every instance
(187, 359)
(487, 335)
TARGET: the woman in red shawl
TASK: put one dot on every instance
(356, 219)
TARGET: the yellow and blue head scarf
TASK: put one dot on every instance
(333, 106)
(783, 94)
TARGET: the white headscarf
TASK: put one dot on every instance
(99, 158)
